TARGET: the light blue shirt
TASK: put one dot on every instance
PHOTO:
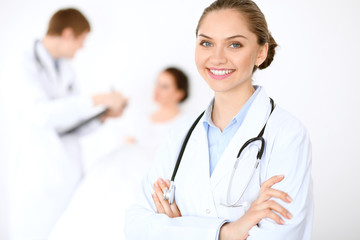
(217, 140)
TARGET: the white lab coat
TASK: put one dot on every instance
(44, 167)
(198, 196)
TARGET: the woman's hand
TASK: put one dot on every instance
(261, 208)
(162, 205)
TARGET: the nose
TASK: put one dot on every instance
(218, 57)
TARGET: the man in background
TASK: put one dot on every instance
(42, 101)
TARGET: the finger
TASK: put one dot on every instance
(168, 182)
(270, 214)
(173, 206)
(165, 203)
(175, 209)
(268, 193)
(274, 206)
(103, 118)
(163, 185)
(271, 181)
(125, 103)
(158, 204)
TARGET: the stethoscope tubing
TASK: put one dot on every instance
(169, 193)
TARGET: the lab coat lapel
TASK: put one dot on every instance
(51, 79)
(201, 156)
(250, 128)
(192, 178)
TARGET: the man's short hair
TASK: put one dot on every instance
(68, 18)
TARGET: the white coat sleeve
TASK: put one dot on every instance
(290, 156)
(142, 220)
(32, 103)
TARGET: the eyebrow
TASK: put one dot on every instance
(228, 38)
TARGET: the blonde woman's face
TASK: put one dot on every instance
(226, 50)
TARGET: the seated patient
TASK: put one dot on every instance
(97, 210)
(170, 91)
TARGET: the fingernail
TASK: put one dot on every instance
(281, 176)
(289, 198)
(289, 215)
(282, 222)
(156, 185)
(161, 180)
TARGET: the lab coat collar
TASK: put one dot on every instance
(252, 125)
(46, 60)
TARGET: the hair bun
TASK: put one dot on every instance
(270, 54)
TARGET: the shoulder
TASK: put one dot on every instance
(181, 127)
(175, 136)
(282, 122)
(285, 134)
(21, 62)
(19, 68)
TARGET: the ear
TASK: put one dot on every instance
(262, 54)
(68, 33)
(180, 95)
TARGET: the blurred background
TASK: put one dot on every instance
(315, 76)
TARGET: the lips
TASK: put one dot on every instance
(219, 74)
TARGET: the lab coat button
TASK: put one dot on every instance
(207, 211)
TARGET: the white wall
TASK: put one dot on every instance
(315, 76)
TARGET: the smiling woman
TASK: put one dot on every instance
(223, 192)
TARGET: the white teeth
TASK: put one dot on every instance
(220, 72)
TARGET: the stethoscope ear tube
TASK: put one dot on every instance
(169, 194)
(184, 146)
(259, 138)
(36, 55)
(261, 151)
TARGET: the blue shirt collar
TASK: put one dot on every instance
(240, 116)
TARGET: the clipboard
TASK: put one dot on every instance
(83, 122)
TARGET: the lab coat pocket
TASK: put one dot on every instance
(230, 213)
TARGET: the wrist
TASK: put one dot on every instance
(224, 231)
(235, 230)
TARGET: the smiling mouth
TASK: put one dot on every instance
(220, 73)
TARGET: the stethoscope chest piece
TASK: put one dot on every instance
(169, 194)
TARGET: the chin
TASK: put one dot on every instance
(223, 87)
(218, 85)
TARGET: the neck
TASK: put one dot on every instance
(52, 45)
(228, 104)
(165, 113)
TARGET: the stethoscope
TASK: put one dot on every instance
(169, 194)
(36, 55)
(41, 64)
